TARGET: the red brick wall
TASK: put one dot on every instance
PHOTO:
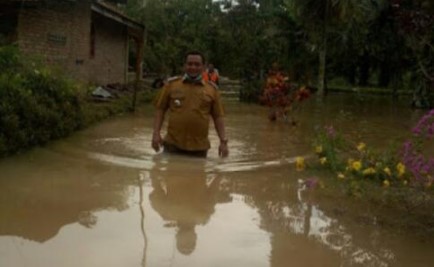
(110, 60)
(60, 35)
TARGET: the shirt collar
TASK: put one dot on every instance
(196, 80)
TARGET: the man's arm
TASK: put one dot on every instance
(157, 141)
(161, 104)
(220, 129)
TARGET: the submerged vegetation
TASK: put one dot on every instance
(398, 179)
(406, 165)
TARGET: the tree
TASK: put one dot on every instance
(323, 19)
(172, 28)
(415, 21)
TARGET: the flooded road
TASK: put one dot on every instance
(102, 197)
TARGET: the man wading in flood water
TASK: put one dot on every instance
(190, 101)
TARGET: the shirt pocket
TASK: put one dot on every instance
(206, 101)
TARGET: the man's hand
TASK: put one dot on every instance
(223, 149)
(157, 141)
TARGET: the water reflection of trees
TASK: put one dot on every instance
(305, 234)
(37, 199)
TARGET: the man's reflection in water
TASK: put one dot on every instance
(185, 196)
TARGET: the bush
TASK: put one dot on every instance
(9, 59)
(36, 106)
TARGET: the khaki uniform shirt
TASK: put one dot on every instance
(189, 105)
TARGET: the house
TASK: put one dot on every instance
(89, 39)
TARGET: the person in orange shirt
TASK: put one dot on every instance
(275, 93)
(211, 74)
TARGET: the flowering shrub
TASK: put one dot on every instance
(406, 166)
(353, 161)
(282, 96)
(420, 166)
(328, 145)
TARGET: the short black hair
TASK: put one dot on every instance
(194, 53)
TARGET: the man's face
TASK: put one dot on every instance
(193, 65)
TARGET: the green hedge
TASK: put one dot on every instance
(38, 105)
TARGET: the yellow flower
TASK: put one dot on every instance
(323, 160)
(299, 164)
(361, 147)
(387, 171)
(386, 183)
(318, 149)
(401, 169)
(356, 165)
(369, 171)
(341, 175)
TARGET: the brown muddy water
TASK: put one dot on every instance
(102, 197)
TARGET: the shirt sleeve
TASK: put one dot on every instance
(161, 101)
(217, 108)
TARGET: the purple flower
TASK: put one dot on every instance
(311, 182)
(425, 168)
(424, 127)
(416, 131)
(407, 151)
